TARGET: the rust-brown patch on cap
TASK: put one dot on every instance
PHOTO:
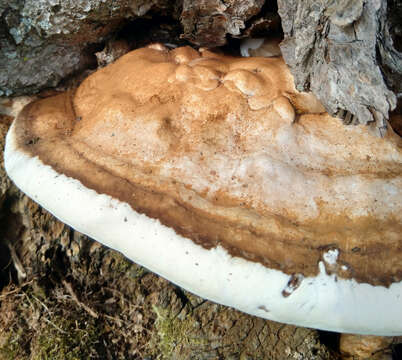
(172, 133)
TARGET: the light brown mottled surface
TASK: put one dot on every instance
(226, 151)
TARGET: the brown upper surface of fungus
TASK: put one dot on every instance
(226, 151)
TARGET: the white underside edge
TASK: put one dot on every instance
(319, 302)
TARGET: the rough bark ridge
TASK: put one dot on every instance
(335, 50)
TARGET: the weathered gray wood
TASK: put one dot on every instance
(338, 50)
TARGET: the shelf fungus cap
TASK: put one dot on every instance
(215, 173)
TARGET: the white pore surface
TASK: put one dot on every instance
(322, 302)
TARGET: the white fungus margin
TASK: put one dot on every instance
(323, 302)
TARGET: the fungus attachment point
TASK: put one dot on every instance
(193, 167)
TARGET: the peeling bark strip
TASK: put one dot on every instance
(339, 51)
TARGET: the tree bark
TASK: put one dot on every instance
(347, 53)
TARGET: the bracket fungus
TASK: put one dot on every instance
(215, 173)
